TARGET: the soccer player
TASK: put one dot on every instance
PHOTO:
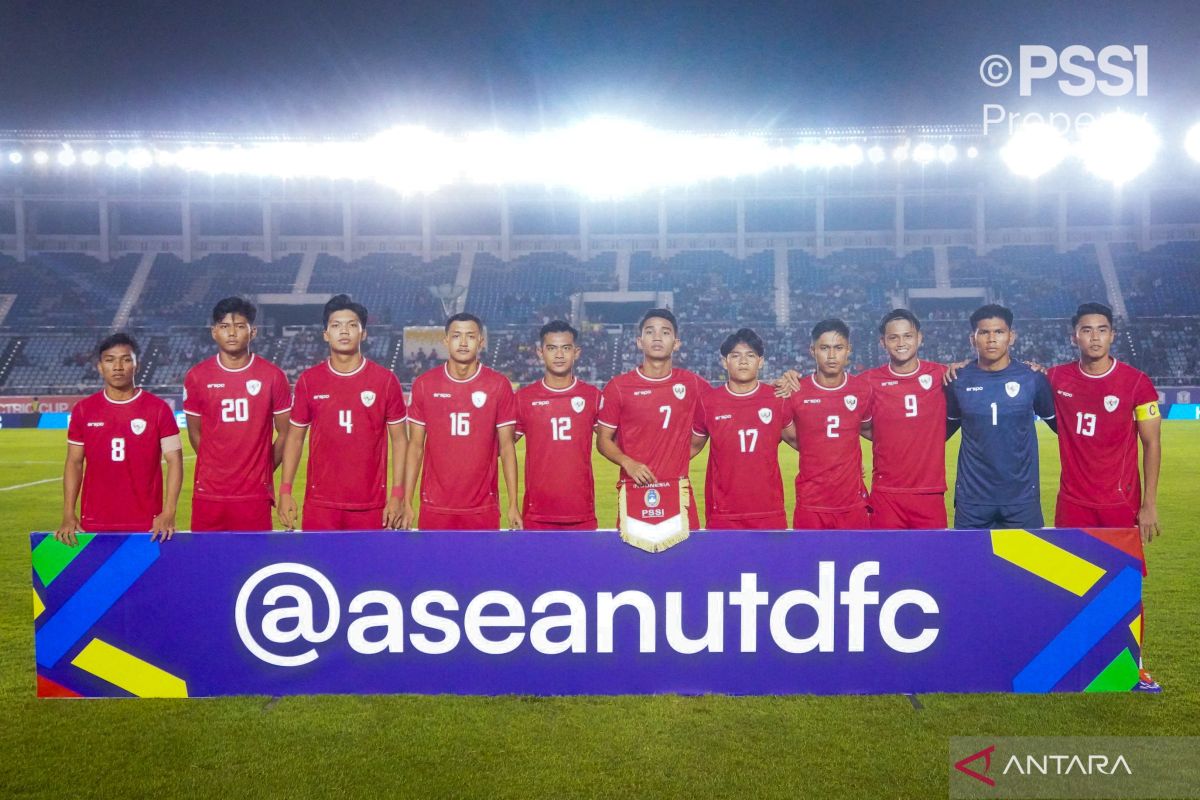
(117, 440)
(830, 410)
(355, 407)
(994, 399)
(557, 415)
(234, 402)
(646, 414)
(745, 423)
(462, 417)
(908, 431)
(1105, 407)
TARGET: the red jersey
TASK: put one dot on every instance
(908, 429)
(237, 409)
(122, 452)
(348, 447)
(827, 429)
(744, 432)
(461, 445)
(1097, 432)
(557, 425)
(653, 418)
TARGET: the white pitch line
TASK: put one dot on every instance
(27, 485)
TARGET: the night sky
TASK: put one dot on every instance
(355, 67)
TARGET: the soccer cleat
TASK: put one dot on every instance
(1146, 683)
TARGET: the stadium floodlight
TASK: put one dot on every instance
(924, 153)
(1192, 142)
(66, 157)
(852, 155)
(41, 158)
(90, 158)
(876, 155)
(1118, 147)
(15, 157)
(947, 153)
(972, 152)
(1035, 149)
(900, 153)
(139, 158)
(164, 158)
(114, 158)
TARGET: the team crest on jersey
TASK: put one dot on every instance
(680, 390)
(253, 387)
(138, 426)
(1111, 402)
(926, 381)
(478, 399)
(1013, 388)
(368, 398)
(652, 498)
(765, 415)
(851, 401)
(577, 404)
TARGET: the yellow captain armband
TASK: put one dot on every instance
(1146, 411)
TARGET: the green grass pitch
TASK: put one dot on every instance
(521, 747)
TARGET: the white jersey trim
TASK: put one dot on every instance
(192, 413)
(912, 374)
(605, 424)
(281, 411)
(136, 395)
(1105, 374)
(299, 424)
(478, 372)
(72, 441)
(397, 421)
(239, 369)
(757, 385)
(842, 385)
(355, 371)
(645, 377)
(574, 383)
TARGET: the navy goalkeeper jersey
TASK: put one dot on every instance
(998, 455)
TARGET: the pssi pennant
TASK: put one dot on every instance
(654, 517)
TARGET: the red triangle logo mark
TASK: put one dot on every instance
(986, 755)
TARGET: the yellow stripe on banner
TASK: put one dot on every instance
(1135, 628)
(1047, 561)
(128, 672)
(38, 605)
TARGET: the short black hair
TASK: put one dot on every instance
(117, 340)
(234, 305)
(745, 336)
(342, 302)
(1091, 308)
(830, 326)
(899, 313)
(463, 316)
(991, 311)
(659, 313)
(557, 326)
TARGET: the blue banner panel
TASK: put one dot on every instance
(837, 612)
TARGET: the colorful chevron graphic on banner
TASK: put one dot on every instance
(61, 633)
(1107, 610)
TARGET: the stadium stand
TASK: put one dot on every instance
(1163, 282)
(177, 293)
(536, 288)
(393, 287)
(709, 285)
(1033, 280)
(64, 288)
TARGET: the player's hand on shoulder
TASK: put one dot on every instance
(163, 527)
(1035, 366)
(67, 530)
(787, 383)
(951, 373)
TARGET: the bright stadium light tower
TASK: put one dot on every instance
(1034, 150)
(1118, 147)
(876, 155)
(1192, 142)
(924, 153)
(15, 157)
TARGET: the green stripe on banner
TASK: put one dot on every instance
(51, 557)
(1119, 676)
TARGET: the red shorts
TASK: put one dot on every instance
(849, 519)
(769, 522)
(1069, 514)
(324, 518)
(231, 515)
(908, 512)
(483, 519)
(543, 525)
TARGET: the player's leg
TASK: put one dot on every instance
(974, 517)
(886, 513)
(1022, 515)
(206, 515)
